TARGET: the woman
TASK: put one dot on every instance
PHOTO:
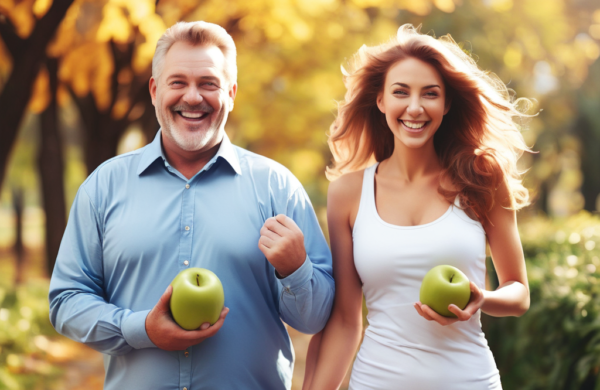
(441, 144)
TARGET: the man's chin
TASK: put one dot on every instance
(193, 141)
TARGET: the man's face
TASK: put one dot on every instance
(192, 97)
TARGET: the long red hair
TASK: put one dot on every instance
(478, 142)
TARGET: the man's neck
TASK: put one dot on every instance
(190, 163)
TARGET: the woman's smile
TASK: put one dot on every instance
(413, 126)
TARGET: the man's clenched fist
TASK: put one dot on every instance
(282, 242)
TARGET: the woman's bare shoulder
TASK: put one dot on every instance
(343, 197)
(347, 187)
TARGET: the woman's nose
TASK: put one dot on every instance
(415, 108)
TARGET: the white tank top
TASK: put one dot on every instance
(401, 349)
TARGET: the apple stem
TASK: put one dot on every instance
(198, 280)
(451, 277)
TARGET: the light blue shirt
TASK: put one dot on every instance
(136, 222)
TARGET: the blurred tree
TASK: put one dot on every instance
(50, 165)
(106, 67)
(587, 126)
(26, 41)
(128, 102)
(17, 200)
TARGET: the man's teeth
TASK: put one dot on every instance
(191, 115)
(414, 125)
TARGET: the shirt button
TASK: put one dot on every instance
(186, 354)
(185, 388)
(187, 186)
(187, 228)
(186, 263)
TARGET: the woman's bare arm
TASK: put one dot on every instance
(511, 298)
(332, 350)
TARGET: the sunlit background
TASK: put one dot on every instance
(73, 93)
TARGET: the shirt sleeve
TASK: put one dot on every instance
(307, 294)
(78, 308)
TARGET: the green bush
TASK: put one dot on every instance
(556, 344)
(25, 338)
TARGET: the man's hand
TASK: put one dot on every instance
(167, 335)
(282, 242)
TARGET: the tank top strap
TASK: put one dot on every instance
(457, 201)
(367, 196)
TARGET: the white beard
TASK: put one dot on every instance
(191, 141)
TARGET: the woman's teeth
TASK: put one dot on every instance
(414, 125)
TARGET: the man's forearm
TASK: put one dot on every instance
(87, 318)
(305, 303)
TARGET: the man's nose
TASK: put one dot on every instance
(193, 95)
(415, 108)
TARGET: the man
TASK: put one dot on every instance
(192, 199)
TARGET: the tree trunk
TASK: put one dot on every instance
(50, 164)
(101, 141)
(27, 55)
(17, 200)
(590, 163)
(587, 127)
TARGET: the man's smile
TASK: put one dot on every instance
(195, 116)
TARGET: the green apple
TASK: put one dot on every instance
(197, 298)
(444, 285)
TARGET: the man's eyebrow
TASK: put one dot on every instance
(183, 76)
(425, 87)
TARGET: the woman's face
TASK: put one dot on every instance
(413, 101)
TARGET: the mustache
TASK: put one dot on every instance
(204, 107)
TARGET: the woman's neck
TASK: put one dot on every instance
(412, 164)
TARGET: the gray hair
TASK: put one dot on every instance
(201, 34)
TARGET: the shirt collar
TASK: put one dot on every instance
(154, 151)
(228, 153)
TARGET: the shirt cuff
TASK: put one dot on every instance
(134, 330)
(298, 278)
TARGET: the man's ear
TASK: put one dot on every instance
(447, 105)
(232, 93)
(380, 102)
(152, 86)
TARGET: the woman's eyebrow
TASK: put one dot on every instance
(425, 87)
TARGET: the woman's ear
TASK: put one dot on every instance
(447, 105)
(380, 102)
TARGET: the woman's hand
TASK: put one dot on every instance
(475, 303)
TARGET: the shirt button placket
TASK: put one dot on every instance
(185, 256)
(187, 224)
(185, 364)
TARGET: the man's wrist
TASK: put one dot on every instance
(134, 330)
(298, 278)
(282, 273)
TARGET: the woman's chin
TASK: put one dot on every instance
(411, 141)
